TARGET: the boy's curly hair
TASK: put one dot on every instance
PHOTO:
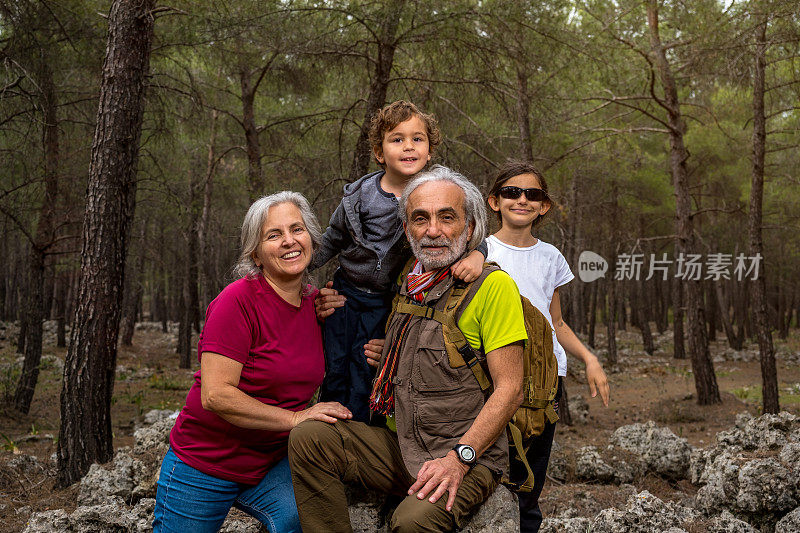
(393, 114)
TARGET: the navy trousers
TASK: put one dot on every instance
(348, 377)
(530, 516)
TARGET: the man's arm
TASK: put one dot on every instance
(446, 473)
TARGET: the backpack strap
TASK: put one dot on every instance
(516, 442)
(398, 285)
(458, 300)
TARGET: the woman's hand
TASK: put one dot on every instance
(373, 350)
(469, 268)
(328, 412)
(327, 301)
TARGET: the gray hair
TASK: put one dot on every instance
(474, 206)
(254, 222)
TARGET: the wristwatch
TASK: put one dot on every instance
(466, 454)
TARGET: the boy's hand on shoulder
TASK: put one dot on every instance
(327, 301)
(469, 268)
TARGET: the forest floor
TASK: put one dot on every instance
(643, 387)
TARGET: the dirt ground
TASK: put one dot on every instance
(643, 387)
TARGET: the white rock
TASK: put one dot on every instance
(608, 467)
(565, 525)
(48, 522)
(119, 478)
(644, 513)
(789, 523)
(765, 485)
(658, 448)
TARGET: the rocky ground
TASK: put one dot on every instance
(652, 461)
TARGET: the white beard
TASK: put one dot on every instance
(455, 249)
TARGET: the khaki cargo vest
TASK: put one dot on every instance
(435, 404)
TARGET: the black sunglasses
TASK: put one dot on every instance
(533, 194)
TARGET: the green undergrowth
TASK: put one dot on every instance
(788, 394)
(162, 382)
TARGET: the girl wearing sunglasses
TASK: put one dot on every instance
(520, 200)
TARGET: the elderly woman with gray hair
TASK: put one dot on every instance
(260, 362)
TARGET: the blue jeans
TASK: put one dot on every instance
(348, 377)
(189, 500)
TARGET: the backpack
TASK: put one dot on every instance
(540, 368)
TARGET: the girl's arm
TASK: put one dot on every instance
(566, 337)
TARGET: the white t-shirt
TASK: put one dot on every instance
(538, 271)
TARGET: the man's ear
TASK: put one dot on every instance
(471, 229)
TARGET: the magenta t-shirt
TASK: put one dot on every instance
(280, 346)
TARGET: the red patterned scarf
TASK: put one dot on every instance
(420, 282)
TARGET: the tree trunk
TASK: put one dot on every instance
(378, 86)
(523, 115)
(38, 305)
(160, 286)
(23, 329)
(578, 308)
(702, 367)
(574, 313)
(184, 336)
(740, 304)
(611, 323)
(639, 306)
(661, 306)
(679, 347)
(255, 176)
(727, 325)
(16, 309)
(62, 292)
(190, 304)
(611, 317)
(785, 316)
(769, 373)
(85, 436)
(634, 295)
(133, 291)
(592, 315)
(787, 323)
(29, 375)
(208, 283)
(622, 312)
(4, 274)
(711, 307)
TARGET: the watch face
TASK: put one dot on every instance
(467, 454)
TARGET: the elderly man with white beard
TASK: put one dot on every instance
(434, 438)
